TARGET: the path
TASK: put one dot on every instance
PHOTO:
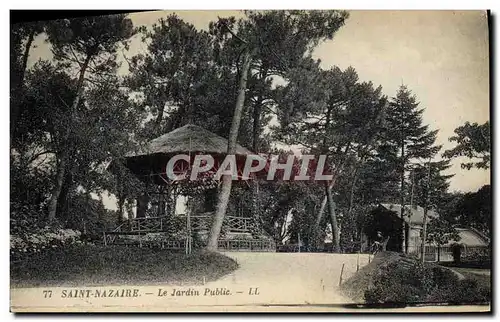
(289, 278)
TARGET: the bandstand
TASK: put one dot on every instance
(186, 231)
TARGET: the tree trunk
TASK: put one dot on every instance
(256, 126)
(225, 192)
(17, 107)
(317, 224)
(61, 167)
(62, 209)
(426, 209)
(333, 219)
(402, 195)
(424, 235)
(26, 54)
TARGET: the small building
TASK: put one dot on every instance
(386, 218)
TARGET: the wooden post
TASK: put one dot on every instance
(341, 273)
(104, 236)
(357, 264)
(426, 208)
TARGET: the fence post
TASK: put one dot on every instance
(341, 273)
(104, 236)
(357, 263)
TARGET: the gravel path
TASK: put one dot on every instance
(290, 278)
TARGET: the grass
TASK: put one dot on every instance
(92, 265)
(483, 280)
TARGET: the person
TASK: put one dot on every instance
(377, 244)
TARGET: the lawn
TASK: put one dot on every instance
(482, 276)
(92, 265)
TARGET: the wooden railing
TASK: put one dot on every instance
(245, 245)
(233, 224)
(198, 222)
(144, 226)
(149, 224)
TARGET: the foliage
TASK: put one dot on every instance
(410, 281)
(26, 245)
(441, 231)
(400, 284)
(185, 75)
(473, 209)
(466, 291)
(473, 142)
(430, 184)
(476, 255)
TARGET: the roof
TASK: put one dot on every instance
(188, 138)
(470, 238)
(417, 212)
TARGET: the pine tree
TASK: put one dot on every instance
(410, 139)
(438, 183)
(88, 45)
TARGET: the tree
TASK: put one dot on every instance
(177, 76)
(430, 187)
(227, 179)
(410, 139)
(473, 209)
(90, 43)
(440, 232)
(20, 35)
(331, 113)
(269, 32)
(473, 142)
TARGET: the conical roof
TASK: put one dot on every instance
(188, 138)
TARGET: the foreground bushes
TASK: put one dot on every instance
(409, 281)
(25, 245)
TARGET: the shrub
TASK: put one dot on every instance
(400, 283)
(46, 238)
(476, 255)
(466, 291)
(409, 281)
(443, 277)
(24, 218)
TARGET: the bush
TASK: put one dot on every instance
(476, 255)
(442, 277)
(466, 291)
(24, 218)
(25, 245)
(409, 281)
(399, 283)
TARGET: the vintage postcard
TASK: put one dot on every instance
(221, 161)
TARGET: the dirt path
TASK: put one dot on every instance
(289, 278)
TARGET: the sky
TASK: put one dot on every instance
(442, 56)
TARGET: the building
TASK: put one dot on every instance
(386, 218)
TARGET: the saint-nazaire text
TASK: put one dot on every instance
(160, 292)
